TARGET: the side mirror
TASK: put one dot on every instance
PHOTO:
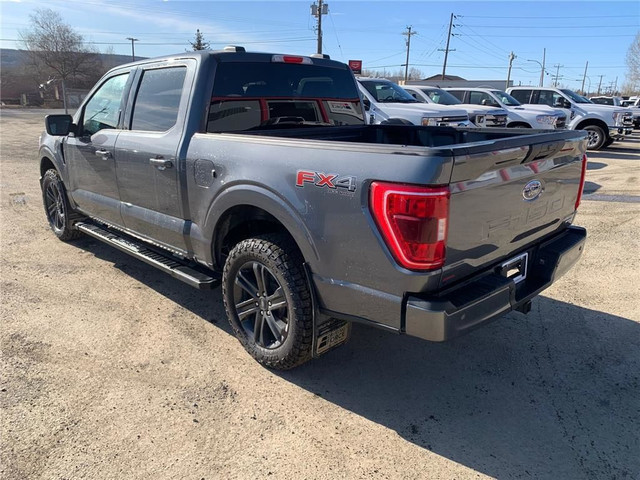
(367, 104)
(567, 104)
(59, 125)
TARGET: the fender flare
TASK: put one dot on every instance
(267, 200)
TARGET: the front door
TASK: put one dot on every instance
(147, 156)
(91, 152)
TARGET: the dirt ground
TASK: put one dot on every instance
(113, 370)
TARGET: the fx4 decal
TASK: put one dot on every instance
(330, 180)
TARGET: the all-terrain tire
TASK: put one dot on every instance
(59, 213)
(268, 300)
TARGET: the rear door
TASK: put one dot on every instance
(91, 152)
(147, 162)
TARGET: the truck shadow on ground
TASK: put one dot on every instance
(615, 153)
(553, 394)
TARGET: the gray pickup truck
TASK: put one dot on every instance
(257, 172)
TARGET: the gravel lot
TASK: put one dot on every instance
(111, 369)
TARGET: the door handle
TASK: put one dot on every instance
(161, 163)
(105, 154)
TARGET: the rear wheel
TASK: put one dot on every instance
(596, 137)
(268, 301)
(56, 206)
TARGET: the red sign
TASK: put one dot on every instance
(356, 66)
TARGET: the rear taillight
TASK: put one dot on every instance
(413, 221)
(582, 177)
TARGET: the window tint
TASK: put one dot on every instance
(521, 95)
(264, 95)
(158, 99)
(103, 110)
(551, 98)
(459, 94)
(482, 98)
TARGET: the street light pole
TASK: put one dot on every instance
(133, 52)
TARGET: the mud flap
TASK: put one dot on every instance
(331, 334)
(328, 332)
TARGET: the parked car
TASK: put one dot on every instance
(386, 102)
(603, 123)
(480, 115)
(257, 172)
(633, 104)
(519, 116)
(604, 100)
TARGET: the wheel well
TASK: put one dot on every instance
(46, 164)
(518, 125)
(242, 222)
(593, 121)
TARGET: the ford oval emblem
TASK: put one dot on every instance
(532, 190)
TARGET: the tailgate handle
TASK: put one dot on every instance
(161, 163)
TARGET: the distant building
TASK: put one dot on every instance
(455, 81)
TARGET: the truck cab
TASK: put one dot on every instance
(529, 116)
(386, 102)
(603, 123)
(480, 115)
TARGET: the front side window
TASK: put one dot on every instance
(482, 98)
(505, 98)
(158, 99)
(103, 110)
(551, 98)
(443, 97)
(383, 91)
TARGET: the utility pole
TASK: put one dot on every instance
(133, 52)
(555, 81)
(511, 57)
(408, 33)
(600, 84)
(584, 77)
(544, 57)
(317, 11)
(446, 50)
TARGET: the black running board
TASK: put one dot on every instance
(137, 248)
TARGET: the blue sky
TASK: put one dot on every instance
(485, 32)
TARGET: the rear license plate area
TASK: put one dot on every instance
(516, 268)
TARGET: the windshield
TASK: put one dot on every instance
(505, 98)
(574, 96)
(441, 96)
(387, 92)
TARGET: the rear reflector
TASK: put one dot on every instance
(413, 221)
(291, 59)
(582, 177)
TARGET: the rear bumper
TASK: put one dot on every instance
(491, 295)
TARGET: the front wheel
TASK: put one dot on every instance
(268, 300)
(595, 137)
(56, 206)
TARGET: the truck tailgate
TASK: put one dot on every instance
(506, 195)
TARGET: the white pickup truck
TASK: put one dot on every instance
(480, 115)
(519, 116)
(386, 102)
(603, 123)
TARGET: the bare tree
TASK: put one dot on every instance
(199, 43)
(57, 50)
(632, 84)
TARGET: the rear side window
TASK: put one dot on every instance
(158, 99)
(459, 94)
(256, 95)
(521, 95)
